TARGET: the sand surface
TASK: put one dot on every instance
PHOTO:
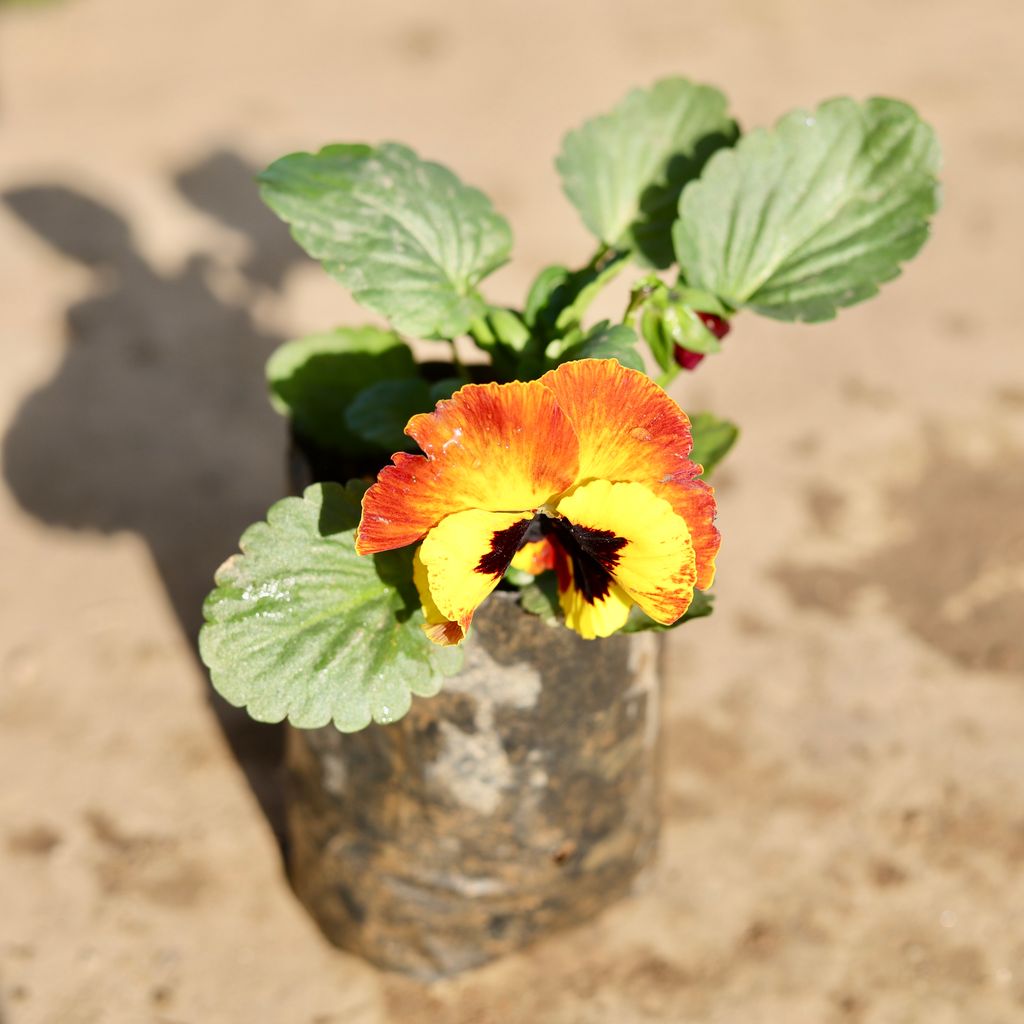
(844, 835)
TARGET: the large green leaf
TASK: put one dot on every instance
(314, 379)
(814, 214)
(406, 236)
(301, 627)
(624, 170)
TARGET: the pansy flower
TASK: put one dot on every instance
(585, 470)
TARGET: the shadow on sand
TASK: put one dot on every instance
(156, 421)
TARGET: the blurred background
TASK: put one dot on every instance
(844, 836)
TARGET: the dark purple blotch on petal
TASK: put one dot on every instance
(504, 545)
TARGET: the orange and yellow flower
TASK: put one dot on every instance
(585, 470)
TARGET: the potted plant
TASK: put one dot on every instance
(507, 535)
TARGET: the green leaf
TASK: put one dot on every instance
(541, 598)
(301, 627)
(379, 413)
(584, 286)
(504, 336)
(814, 214)
(541, 294)
(639, 621)
(406, 236)
(697, 299)
(509, 330)
(442, 389)
(684, 327)
(606, 341)
(559, 298)
(652, 330)
(603, 341)
(518, 578)
(624, 170)
(712, 439)
(556, 305)
(314, 379)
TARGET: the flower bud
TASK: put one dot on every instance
(716, 325)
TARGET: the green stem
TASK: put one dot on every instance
(604, 255)
(456, 361)
(668, 376)
(641, 291)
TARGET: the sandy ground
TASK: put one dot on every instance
(844, 834)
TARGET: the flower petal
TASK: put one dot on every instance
(629, 429)
(465, 556)
(495, 447)
(694, 501)
(534, 557)
(639, 540)
(591, 616)
(440, 630)
(628, 426)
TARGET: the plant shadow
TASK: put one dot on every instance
(659, 204)
(156, 420)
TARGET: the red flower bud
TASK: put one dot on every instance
(716, 325)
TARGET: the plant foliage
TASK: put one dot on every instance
(407, 237)
(814, 214)
(792, 222)
(301, 627)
